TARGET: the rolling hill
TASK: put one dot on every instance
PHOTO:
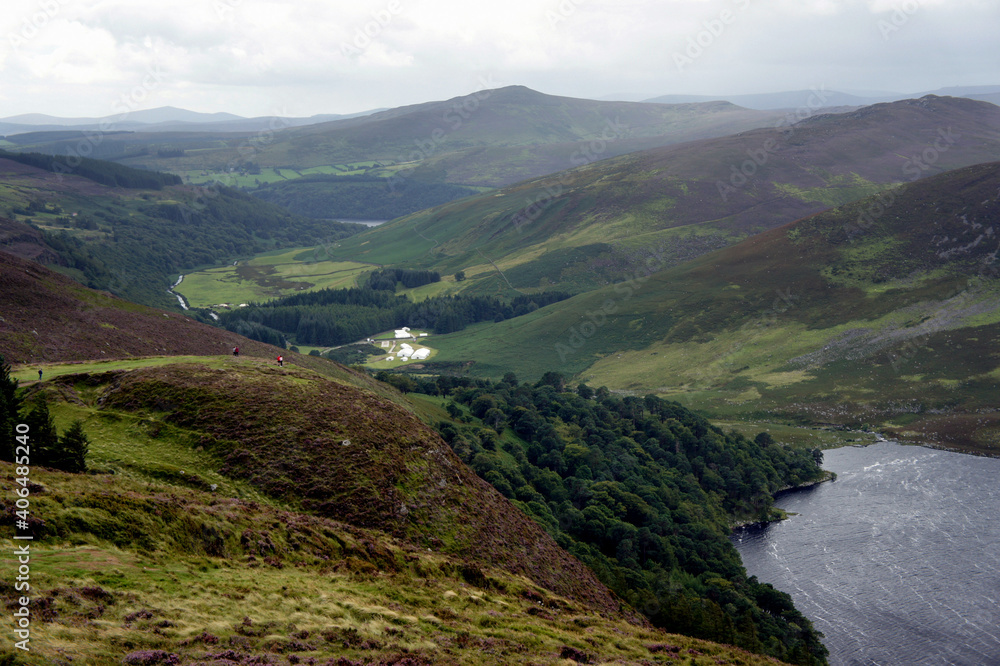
(238, 512)
(487, 139)
(162, 119)
(496, 137)
(883, 312)
(599, 222)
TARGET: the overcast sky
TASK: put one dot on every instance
(302, 57)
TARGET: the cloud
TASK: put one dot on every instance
(319, 56)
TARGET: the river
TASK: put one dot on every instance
(897, 561)
(180, 299)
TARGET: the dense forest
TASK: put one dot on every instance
(147, 244)
(105, 173)
(643, 491)
(386, 279)
(330, 317)
(358, 196)
(134, 243)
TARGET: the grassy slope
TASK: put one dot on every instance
(499, 136)
(282, 429)
(593, 224)
(153, 558)
(272, 275)
(893, 323)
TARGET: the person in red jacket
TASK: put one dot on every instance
(281, 361)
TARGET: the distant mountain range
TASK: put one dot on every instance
(162, 119)
(170, 118)
(817, 98)
(489, 138)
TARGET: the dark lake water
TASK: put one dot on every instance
(897, 561)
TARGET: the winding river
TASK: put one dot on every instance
(180, 299)
(897, 561)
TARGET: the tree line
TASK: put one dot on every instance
(329, 317)
(643, 491)
(100, 171)
(385, 279)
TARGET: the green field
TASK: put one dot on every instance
(272, 174)
(29, 373)
(267, 276)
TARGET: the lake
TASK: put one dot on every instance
(367, 223)
(897, 561)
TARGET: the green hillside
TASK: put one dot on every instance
(415, 156)
(131, 232)
(224, 579)
(217, 479)
(454, 140)
(598, 223)
(882, 312)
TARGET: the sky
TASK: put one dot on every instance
(101, 58)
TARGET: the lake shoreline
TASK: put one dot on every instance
(780, 514)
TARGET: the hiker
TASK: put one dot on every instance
(281, 361)
(236, 351)
(39, 374)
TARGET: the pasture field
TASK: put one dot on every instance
(267, 276)
(272, 174)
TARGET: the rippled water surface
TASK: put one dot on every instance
(897, 561)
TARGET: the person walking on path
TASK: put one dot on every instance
(39, 374)
(281, 361)
(236, 351)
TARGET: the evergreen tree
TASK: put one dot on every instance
(42, 430)
(10, 406)
(71, 452)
